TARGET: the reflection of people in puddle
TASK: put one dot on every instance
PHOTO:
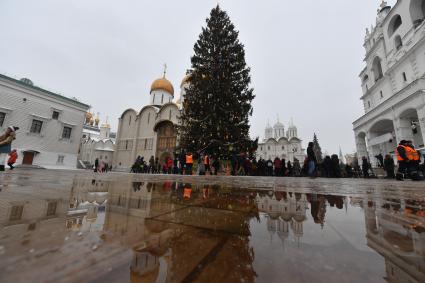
(318, 209)
(187, 191)
(149, 187)
(415, 207)
(137, 186)
(337, 201)
(180, 188)
(205, 192)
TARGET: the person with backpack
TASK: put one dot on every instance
(6, 144)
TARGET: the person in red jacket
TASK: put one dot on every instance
(169, 165)
(13, 155)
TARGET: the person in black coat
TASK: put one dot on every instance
(311, 160)
(327, 167)
(389, 166)
(336, 170)
(365, 167)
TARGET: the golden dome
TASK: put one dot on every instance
(185, 80)
(88, 116)
(163, 84)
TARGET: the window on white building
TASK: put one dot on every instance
(395, 23)
(417, 12)
(377, 68)
(169, 116)
(404, 77)
(382, 95)
(16, 212)
(51, 208)
(129, 121)
(368, 104)
(149, 117)
(2, 118)
(55, 115)
(162, 98)
(268, 147)
(60, 159)
(66, 133)
(36, 126)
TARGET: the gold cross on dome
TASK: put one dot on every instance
(165, 69)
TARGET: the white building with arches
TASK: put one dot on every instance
(393, 80)
(281, 144)
(152, 130)
(97, 145)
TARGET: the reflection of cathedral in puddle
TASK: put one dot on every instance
(126, 205)
(395, 229)
(87, 205)
(284, 210)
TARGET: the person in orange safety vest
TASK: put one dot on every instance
(189, 163)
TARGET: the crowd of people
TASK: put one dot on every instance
(409, 162)
(243, 165)
(202, 163)
(101, 166)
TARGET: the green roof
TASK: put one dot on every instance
(45, 91)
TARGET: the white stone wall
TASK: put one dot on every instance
(160, 97)
(22, 104)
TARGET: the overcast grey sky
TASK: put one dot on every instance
(305, 55)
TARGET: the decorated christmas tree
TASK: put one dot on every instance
(217, 105)
(317, 149)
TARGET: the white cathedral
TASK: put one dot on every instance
(277, 143)
(151, 131)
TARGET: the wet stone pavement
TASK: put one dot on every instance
(72, 226)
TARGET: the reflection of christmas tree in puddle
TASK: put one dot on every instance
(208, 235)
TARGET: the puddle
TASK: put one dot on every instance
(133, 230)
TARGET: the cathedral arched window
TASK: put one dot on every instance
(129, 121)
(417, 12)
(162, 98)
(149, 117)
(377, 68)
(169, 116)
(395, 23)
